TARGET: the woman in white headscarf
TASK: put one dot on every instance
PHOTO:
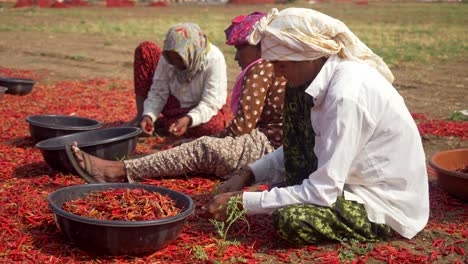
(352, 163)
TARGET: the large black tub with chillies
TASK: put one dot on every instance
(115, 143)
(111, 237)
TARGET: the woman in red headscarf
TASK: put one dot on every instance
(256, 129)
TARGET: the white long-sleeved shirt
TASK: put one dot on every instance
(368, 149)
(207, 91)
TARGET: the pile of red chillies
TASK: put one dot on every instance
(124, 205)
(441, 128)
(28, 233)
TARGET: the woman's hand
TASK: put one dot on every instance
(238, 180)
(217, 208)
(147, 125)
(180, 126)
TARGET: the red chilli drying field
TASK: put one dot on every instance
(28, 233)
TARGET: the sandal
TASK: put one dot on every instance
(86, 172)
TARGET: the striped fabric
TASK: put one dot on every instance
(301, 34)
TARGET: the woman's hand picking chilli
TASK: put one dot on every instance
(217, 208)
(147, 125)
(179, 127)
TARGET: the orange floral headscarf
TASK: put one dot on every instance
(192, 45)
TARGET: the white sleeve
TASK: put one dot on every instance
(344, 134)
(159, 91)
(214, 92)
(270, 168)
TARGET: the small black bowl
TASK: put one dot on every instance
(115, 143)
(17, 86)
(42, 127)
(106, 237)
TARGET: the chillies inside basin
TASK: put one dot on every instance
(118, 237)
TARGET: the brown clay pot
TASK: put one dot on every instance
(445, 163)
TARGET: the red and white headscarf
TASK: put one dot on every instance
(302, 34)
(241, 27)
(236, 35)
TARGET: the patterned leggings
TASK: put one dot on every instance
(146, 59)
(309, 224)
(211, 155)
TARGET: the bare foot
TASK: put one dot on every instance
(100, 169)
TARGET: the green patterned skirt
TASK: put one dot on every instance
(308, 224)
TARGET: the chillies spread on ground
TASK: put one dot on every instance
(28, 233)
(124, 205)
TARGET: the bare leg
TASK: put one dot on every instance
(102, 170)
(210, 155)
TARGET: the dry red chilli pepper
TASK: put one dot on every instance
(148, 127)
(123, 204)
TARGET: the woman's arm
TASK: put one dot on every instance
(159, 91)
(341, 137)
(214, 91)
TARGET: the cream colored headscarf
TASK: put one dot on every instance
(300, 34)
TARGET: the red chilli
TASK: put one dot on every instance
(124, 205)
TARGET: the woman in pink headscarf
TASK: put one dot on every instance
(256, 129)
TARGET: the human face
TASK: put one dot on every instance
(175, 60)
(246, 54)
(298, 72)
(284, 69)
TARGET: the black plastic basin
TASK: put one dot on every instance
(42, 127)
(118, 237)
(116, 143)
(2, 91)
(17, 86)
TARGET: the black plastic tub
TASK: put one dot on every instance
(105, 237)
(42, 127)
(2, 91)
(17, 86)
(116, 143)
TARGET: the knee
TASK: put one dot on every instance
(204, 142)
(282, 218)
(291, 223)
(145, 46)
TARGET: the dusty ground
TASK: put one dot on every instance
(437, 90)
